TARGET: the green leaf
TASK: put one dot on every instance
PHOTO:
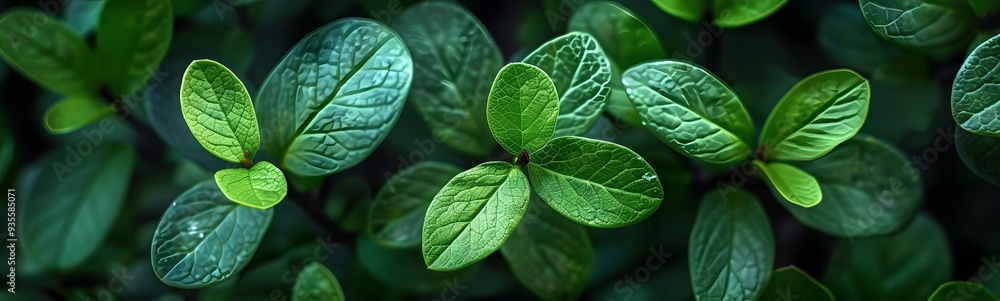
(262, 186)
(624, 38)
(404, 269)
(973, 103)
(82, 15)
(47, 52)
(218, 110)
(316, 283)
(455, 61)
(847, 40)
(549, 254)
(981, 154)
(736, 13)
(816, 115)
(792, 184)
(132, 38)
(690, 110)
(731, 247)
(74, 203)
(962, 290)
(334, 96)
(204, 238)
(595, 183)
(790, 281)
(74, 112)
(984, 8)
(397, 214)
(523, 108)
(920, 24)
(687, 10)
(915, 260)
(581, 74)
(473, 215)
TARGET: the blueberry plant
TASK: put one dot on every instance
(606, 150)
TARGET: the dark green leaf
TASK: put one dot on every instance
(523, 108)
(792, 283)
(736, 13)
(47, 52)
(7, 151)
(962, 290)
(974, 101)
(981, 154)
(848, 41)
(82, 15)
(132, 38)
(218, 110)
(984, 8)
(397, 214)
(623, 37)
(688, 10)
(316, 283)
(920, 23)
(74, 112)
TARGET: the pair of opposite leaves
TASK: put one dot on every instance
(694, 112)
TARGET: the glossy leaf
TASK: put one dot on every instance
(595, 183)
(397, 214)
(816, 115)
(981, 154)
(582, 76)
(523, 108)
(261, 186)
(74, 112)
(791, 282)
(869, 188)
(731, 247)
(47, 52)
(473, 215)
(687, 10)
(316, 283)
(455, 61)
(549, 254)
(690, 110)
(204, 238)
(962, 290)
(916, 259)
(974, 101)
(132, 38)
(920, 23)
(736, 13)
(334, 96)
(218, 110)
(792, 184)
(624, 38)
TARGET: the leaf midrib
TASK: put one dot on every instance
(812, 117)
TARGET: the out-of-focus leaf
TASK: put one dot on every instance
(981, 154)
(397, 213)
(74, 112)
(316, 283)
(962, 290)
(847, 40)
(791, 282)
(132, 38)
(47, 52)
(82, 15)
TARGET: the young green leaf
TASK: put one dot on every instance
(581, 74)
(962, 290)
(979, 153)
(869, 188)
(792, 184)
(624, 38)
(316, 283)
(595, 183)
(132, 39)
(972, 105)
(731, 247)
(455, 61)
(690, 110)
(75, 112)
(736, 13)
(47, 52)
(73, 207)
(915, 259)
(920, 23)
(791, 281)
(816, 115)
(204, 238)
(397, 214)
(334, 96)
(473, 215)
(522, 108)
(687, 10)
(218, 110)
(549, 254)
(262, 186)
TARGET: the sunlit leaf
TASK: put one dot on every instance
(523, 108)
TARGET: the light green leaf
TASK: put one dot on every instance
(974, 103)
(984, 8)
(736, 13)
(74, 112)
(920, 23)
(687, 10)
(624, 38)
(74, 203)
(455, 61)
(690, 110)
(204, 238)
(549, 254)
(522, 108)
(962, 290)
(316, 283)
(981, 154)
(397, 214)
(581, 74)
(218, 110)
(334, 97)
(731, 247)
(262, 186)
(595, 183)
(792, 184)
(790, 281)
(47, 52)
(915, 260)
(816, 115)
(473, 215)
(132, 38)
